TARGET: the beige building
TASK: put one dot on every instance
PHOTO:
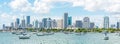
(60, 23)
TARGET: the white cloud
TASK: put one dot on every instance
(22, 5)
(95, 5)
(25, 6)
(41, 7)
(44, 6)
(6, 18)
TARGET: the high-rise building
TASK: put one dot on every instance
(112, 26)
(40, 25)
(54, 23)
(118, 25)
(60, 23)
(65, 20)
(44, 22)
(28, 20)
(86, 22)
(106, 22)
(33, 24)
(78, 24)
(23, 24)
(36, 24)
(92, 25)
(49, 25)
(12, 25)
(69, 21)
(3, 26)
(18, 21)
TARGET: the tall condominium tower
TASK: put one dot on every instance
(65, 20)
(106, 22)
(69, 21)
(28, 20)
(23, 23)
(44, 22)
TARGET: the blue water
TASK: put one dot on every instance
(60, 38)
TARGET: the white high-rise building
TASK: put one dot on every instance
(23, 23)
(86, 22)
(54, 24)
(106, 22)
(60, 23)
(49, 23)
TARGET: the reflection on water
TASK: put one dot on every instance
(60, 38)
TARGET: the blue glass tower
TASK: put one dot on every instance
(78, 24)
(28, 19)
(44, 21)
(65, 20)
(18, 21)
(69, 20)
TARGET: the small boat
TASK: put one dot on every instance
(39, 34)
(66, 32)
(78, 34)
(13, 32)
(24, 36)
(18, 33)
(48, 33)
(106, 38)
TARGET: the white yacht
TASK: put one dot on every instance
(24, 36)
(39, 34)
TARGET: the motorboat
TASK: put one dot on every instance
(39, 34)
(24, 36)
(106, 38)
(13, 32)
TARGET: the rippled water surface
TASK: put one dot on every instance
(60, 38)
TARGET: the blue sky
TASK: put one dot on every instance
(78, 9)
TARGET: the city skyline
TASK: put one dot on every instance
(55, 9)
(63, 23)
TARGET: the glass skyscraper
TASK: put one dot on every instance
(78, 24)
(65, 20)
(106, 22)
(69, 20)
(18, 21)
(3, 26)
(118, 25)
(36, 24)
(44, 22)
(28, 20)
(92, 24)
